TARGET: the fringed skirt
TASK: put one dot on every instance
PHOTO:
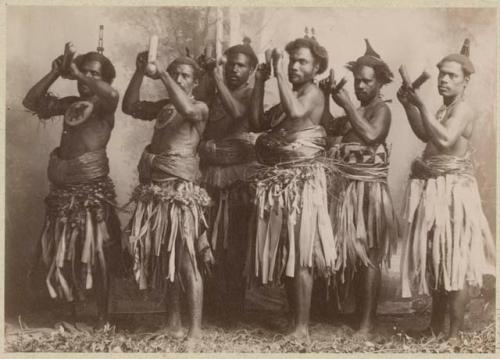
(290, 224)
(166, 213)
(448, 242)
(80, 240)
(361, 209)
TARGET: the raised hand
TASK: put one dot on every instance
(57, 65)
(403, 95)
(413, 96)
(141, 61)
(277, 56)
(341, 98)
(73, 71)
(160, 69)
(328, 84)
(263, 72)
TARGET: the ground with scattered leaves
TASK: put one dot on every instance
(258, 331)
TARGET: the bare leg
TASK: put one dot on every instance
(439, 304)
(290, 296)
(369, 291)
(193, 284)
(174, 323)
(72, 318)
(303, 289)
(458, 300)
(102, 296)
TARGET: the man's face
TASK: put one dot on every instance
(302, 66)
(366, 84)
(183, 75)
(237, 70)
(451, 79)
(90, 69)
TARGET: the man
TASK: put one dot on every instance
(227, 159)
(291, 186)
(167, 229)
(363, 217)
(80, 242)
(448, 245)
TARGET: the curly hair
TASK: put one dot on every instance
(245, 50)
(186, 60)
(319, 52)
(108, 72)
(382, 71)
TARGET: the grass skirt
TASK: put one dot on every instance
(81, 235)
(447, 240)
(361, 208)
(166, 212)
(290, 223)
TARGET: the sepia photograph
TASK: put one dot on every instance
(250, 179)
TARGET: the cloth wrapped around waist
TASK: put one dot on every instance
(280, 146)
(85, 168)
(426, 167)
(183, 164)
(230, 151)
(360, 162)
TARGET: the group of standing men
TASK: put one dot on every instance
(245, 196)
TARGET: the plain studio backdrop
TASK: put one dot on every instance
(418, 38)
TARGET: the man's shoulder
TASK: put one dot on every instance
(464, 109)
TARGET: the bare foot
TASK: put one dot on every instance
(176, 333)
(299, 335)
(192, 342)
(424, 333)
(100, 323)
(194, 333)
(364, 333)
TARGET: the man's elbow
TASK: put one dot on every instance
(446, 143)
(373, 138)
(29, 104)
(127, 108)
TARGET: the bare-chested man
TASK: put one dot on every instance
(363, 218)
(448, 245)
(80, 242)
(167, 231)
(227, 158)
(291, 186)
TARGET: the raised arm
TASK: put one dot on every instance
(257, 122)
(413, 115)
(371, 130)
(132, 104)
(443, 135)
(190, 110)
(296, 108)
(39, 101)
(234, 107)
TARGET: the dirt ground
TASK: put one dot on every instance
(259, 331)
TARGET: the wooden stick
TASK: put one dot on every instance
(152, 54)
(404, 75)
(424, 76)
(341, 84)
